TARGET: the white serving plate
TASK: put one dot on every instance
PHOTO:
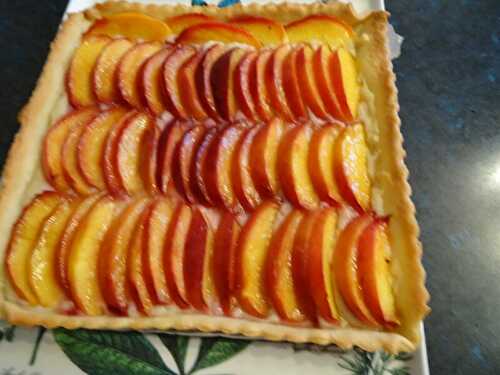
(35, 351)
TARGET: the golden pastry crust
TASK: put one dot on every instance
(390, 176)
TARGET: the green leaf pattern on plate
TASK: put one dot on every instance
(177, 346)
(105, 352)
(215, 350)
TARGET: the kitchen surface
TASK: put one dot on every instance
(448, 76)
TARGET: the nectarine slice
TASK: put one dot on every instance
(53, 143)
(345, 82)
(307, 82)
(91, 145)
(181, 22)
(129, 72)
(320, 162)
(152, 81)
(351, 169)
(278, 270)
(155, 229)
(242, 91)
(42, 263)
(173, 256)
(323, 239)
(109, 160)
(216, 32)
(135, 267)
(131, 25)
(319, 28)
(251, 254)
(291, 85)
(148, 158)
(293, 168)
(189, 94)
(64, 245)
(198, 253)
(264, 158)
(202, 79)
(374, 274)
(222, 83)
(321, 67)
(218, 167)
(183, 158)
(114, 254)
(84, 255)
(71, 169)
(128, 152)
(223, 263)
(171, 68)
(169, 139)
(198, 167)
(23, 238)
(243, 185)
(104, 75)
(258, 85)
(265, 30)
(79, 77)
(300, 266)
(345, 268)
(275, 81)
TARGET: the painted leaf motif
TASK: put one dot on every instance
(217, 350)
(360, 362)
(116, 353)
(226, 3)
(177, 346)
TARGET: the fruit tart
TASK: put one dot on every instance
(235, 171)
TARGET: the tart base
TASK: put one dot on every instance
(390, 176)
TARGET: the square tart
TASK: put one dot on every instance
(23, 179)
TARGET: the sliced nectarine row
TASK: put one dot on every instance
(89, 150)
(122, 254)
(192, 28)
(217, 82)
(236, 166)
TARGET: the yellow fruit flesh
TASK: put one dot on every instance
(134, 26)
(105, 70)
(320, 31)
(325, 161)
(355, 156)
(383, 276)
(81, 69)
(329, 241)
(285, 286)
(91, 147)
(43, 267)
(24, 237)
(271, 153)
(254, 256)
(83, 258)
(349, 80)
(178, 243)
(54, 142)
(129, 155)
(159, 222)
(267, 34)
(305, 190)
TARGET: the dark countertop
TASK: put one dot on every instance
(449, 91)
